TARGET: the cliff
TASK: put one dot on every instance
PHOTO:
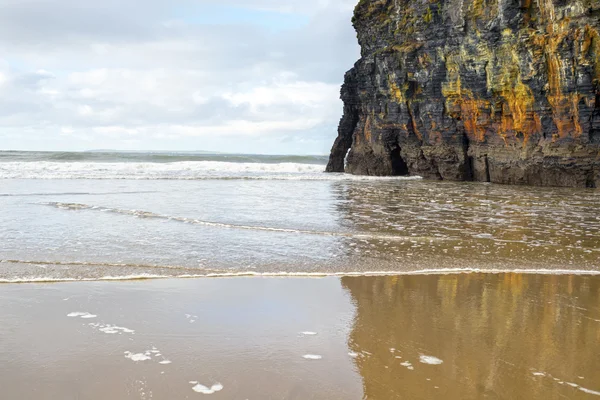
(504, 91)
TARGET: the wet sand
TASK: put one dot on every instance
(466, 336)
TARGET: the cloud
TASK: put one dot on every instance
(260, 75)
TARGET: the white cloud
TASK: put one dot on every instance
(310, 94)
(135, 73)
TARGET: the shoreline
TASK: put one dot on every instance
(352, 337)
(283, 274)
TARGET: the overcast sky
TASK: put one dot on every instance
(259, 76)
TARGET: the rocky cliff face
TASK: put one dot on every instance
(504, 91)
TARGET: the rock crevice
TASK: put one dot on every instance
(484, 90)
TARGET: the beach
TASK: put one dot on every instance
(465, 336)
(300, 200)
(181, 276)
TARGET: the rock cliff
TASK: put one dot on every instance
(504, 91)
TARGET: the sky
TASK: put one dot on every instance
(250, 76)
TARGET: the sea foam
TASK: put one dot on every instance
(79, 314)
(430, 360)
(182, 170)
(199, 388)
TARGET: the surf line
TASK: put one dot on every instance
(250, 274)
(152, 215)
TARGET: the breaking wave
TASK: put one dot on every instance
(152, 215)
(181, 170)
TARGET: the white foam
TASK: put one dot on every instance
(136, 357)
(185, 170)
(312, 357)
(589, 391)
(572, 384)
(424, 272)
(308, 333)
(165, 362)
(353, 354)
(433, 271)
(191, 318)
(408, 365)
(111, 329)
(199, 388)
(148, 214)
(430, 360)
(79, 314)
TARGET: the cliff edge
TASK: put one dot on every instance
(504, 91)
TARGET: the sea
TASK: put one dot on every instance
(67, 216)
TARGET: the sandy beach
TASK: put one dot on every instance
(466, 336)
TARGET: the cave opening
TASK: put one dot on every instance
(399, 166)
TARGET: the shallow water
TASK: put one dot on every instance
(139, 217)
(466, 336)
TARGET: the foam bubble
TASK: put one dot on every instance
(112, 329)
(312, 357)
(430, 360)
(408, 365)
(136, 357)
(308, 333)
(79, 314)
(191, 318)
(165, 362)
(199, 388)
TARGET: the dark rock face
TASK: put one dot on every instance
(504, 91)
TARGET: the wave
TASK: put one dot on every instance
(282, 274)
(149, 214)
(183, 170)
(156, 157)
(73, 193)
(99, 264)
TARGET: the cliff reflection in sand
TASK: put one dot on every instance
(476, 336)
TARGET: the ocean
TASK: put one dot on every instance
(308, 285)
(112, 215)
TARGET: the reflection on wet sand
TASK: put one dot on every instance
(475, 336)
